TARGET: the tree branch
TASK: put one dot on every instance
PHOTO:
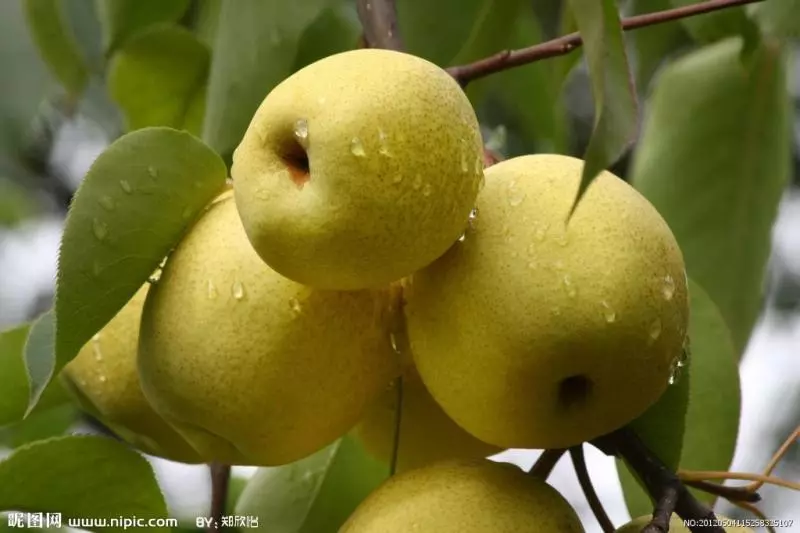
(663, 510)
(220, 480)
(657, 478)
(567, 43)
(379, 19)
(732, 494)
(579, 462)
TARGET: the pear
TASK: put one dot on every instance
(427, 434)
(464, 497)
(676, 525)
(251, 367)
(104, 381)
(535, 333)
(358, 169)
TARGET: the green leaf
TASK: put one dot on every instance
(615, 120)
(655, 44)
(710, 425)
(137, 200)
(43, 424)
(40, 357)
(158, 76)
(316, 494)
(714, 160)
(56, 44)
(13, 380)
(255, 48)
(205, 25)
(335, 30)
(121, 19)
(81, 477)
(542, 120)
(710, 27)
(778, 18)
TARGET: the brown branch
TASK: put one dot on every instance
(657, 478)
(567, 43)
(545, 463)
(379, 19)
(220, 480)
(579, 462)
(663, 510)
(732, 494)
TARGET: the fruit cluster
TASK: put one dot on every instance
(363, 240)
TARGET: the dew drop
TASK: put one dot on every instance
(237, 290)
(464, 163)
(686, 353)
(668, 289)
(473, 216)
(608, 313)
(107, 202)
(515, 195)
(397, 178)
(211, 290)
(562, 240)
(294, 305)
(463, 237)
(655, 331)
(569, 285)
(98, 354)
(427, 189)
(100, 229)
(540, 233)
(675, 369)
(533, 265)
(152, 171)
(417, 183)
(559, 265)
(393, 342)
(478, 164)
(125, 186)
(102, 379)
(321, 100)
(357, 147)
(383, 145)
(301, 132)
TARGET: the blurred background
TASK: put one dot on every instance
(48, 141)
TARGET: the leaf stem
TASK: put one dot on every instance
(220, 481)
(565, 44)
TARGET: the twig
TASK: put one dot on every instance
(579, 462)
(220, 480)
(545, 463)
(793, 438)
(567, 43)
(656, 477)
(379, 19)
(663, 510)
(732, 494)
(701, 475)
(398, 419)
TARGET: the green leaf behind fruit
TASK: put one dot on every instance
(121, 19)
(138, 198)
(709, 426)
(40, 357)
(615, 107)
(255, 48)
(81, 477)
(158, 78)
(778, 19)
(335, 30)
(57, 46)
(714, 160)
(316, 494)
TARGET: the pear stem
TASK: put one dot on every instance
(659, 480)
(579, 463)
(220, 481)
(663, 510)
(398, 419)
(565, 44)
(379, 19)
(545, 463)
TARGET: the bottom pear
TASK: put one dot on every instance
(676, 525)
(464, 497)
(104, 380)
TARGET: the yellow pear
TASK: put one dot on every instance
(253, 368)
(464, 497)
(676, 525)
(104, 380)
(358, 169)
(427, 434)
(532, 333)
